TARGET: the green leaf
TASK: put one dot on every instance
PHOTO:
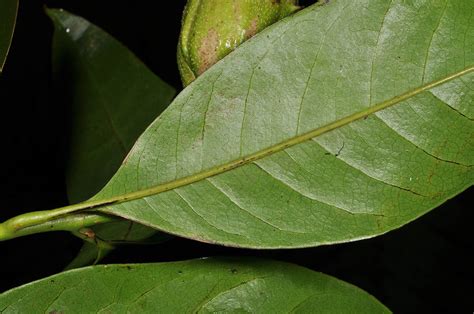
(268, 148)
(89, 254)
(109, 235)
(8, 12)
(204, 286)
(341, 122)
(113, 97)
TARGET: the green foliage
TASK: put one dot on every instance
(196, 286)
(267, 149)
(113, 98)
(339, 123)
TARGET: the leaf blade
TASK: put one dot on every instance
(318, 192)
(210, 285)
(283, 210)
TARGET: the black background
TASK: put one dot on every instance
(422, 267)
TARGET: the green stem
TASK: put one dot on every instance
(43, 221)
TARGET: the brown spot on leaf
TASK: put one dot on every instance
(252, 30)
(89, 233)
(208, 51)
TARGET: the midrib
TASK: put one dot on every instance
(260, 154)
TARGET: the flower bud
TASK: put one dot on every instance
(212, 28)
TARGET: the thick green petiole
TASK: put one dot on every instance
(45, 221)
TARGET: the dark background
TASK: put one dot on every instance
(423, 267)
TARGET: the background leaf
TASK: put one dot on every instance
(112, 234)
(217, 165)
(204, 286)
(8, 11)
(112, 98)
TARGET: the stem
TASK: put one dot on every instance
(37, 222)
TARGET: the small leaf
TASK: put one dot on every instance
(8, 12)
(112, 98)
(204, 286)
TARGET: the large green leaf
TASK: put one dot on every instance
(112, 98)
(342, 122)
(269, 149)
(8, 11)
(197, 286)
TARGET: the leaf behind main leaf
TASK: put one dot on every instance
(196, 286)
(8, 12)
(112, 98)
(267, 149)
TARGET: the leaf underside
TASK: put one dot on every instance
(8, 12)
(207, 285)
(312, 71)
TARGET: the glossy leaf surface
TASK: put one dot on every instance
(197, 286)
(268, 149)
(8, 11)
(112, 98)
